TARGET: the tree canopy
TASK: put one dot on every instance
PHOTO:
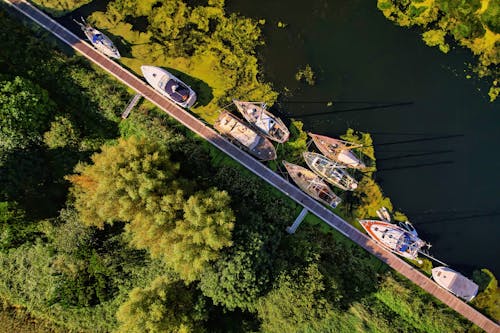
(25, 109)
(136, 182)
(165, 306)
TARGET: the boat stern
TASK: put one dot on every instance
(191, 100)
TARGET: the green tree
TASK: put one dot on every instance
(136, 182)
(15, 229)
(60, 7)
(204, 231)
(296, 303)
(126, 180)
(165, 306)
(62, 133)
(25, 109)
(240, 276)
(488, 299)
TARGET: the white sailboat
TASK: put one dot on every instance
(267, 123)
(312, 184)
(99, 40)
(169, 86)
(393, 238)
(338, 150)
(330, 171)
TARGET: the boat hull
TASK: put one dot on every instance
(245, 137)
(393, 238)
(169, 86)
(264, 121)
(330, 171)
(312, 184)
(455, 283)
(337, 150)
(101, 42)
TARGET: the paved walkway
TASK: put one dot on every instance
(256, 167)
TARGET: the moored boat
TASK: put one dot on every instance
(267, 123)
(330, 171)
(337, 150)
(455, 283)
(169, 86)
(99, 40)
(384, 215)
(393, 238)
(257, 145)
(312, 184)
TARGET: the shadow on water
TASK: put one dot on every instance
(437, 152)
(414, 166)
(384, 106)
(461, 217)
(434, 138)
(203, 90)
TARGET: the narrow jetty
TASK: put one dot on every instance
(133, 102)
(291, 229)
(252, 164)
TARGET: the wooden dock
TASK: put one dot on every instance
(253, 165)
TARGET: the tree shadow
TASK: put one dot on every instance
(203, 91)
(34, 178)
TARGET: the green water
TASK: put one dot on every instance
(435, 131)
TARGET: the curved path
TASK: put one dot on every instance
(256, 167)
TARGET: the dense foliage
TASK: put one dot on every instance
(474, 24)
(25, 110)
(60, 7)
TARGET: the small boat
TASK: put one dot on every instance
(338, 150)
(99, 40)
(384, 215)
(267, 123)
(393, 238)
(257, 145)
(312, 184)
(330, 171)
(455, 283)
(169, 86)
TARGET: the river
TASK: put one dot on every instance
(435, 131)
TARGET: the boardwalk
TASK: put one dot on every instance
(256, 167)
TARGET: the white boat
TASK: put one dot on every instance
(99, 40)
(384, 215)
(393, 238)
(455, 283)
(169, 86)
(312, 184)
(338, 150)
(267, 123)
(330, 171)
(247, 138)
